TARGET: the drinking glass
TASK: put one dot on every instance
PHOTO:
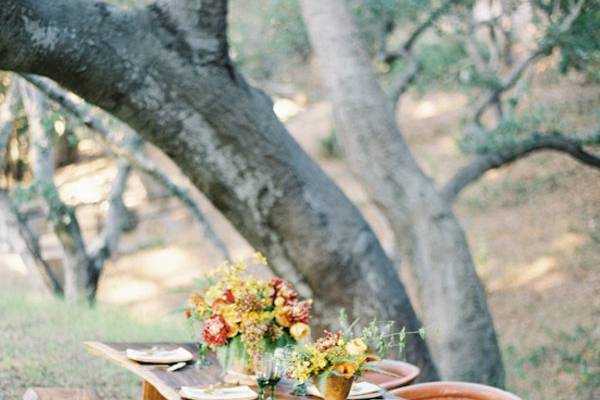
(269, 368)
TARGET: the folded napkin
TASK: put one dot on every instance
(159, 355)
(239, 378)
(359, 390)
(223, 393)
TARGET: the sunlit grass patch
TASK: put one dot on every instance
(41, 344)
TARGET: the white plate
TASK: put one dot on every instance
(160, 355)
(230, 393)
(371, 395)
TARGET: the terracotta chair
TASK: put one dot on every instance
(393, 374)
(451, 391)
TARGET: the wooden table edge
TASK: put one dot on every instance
(108, 353)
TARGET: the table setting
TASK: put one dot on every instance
(252, 340)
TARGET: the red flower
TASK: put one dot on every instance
(300, 312)
(284, 291)
(229, 297)
(215, 331)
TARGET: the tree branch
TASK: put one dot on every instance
(545, 47)
(116, 217)
(431, 19)
(138, 161)
(22, 239)
(555, 141)
(412, 38)
(26, 245)
(400, 86)
(62, 217)
(8, 110)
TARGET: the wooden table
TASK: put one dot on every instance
(160, 384)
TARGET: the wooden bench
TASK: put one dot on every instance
(40, 393)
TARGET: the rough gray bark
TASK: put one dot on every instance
(461, 333)
(133, 156)
(167, 74)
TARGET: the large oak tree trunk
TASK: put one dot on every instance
(165, 71)
(460, 330)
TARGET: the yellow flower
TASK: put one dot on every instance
(259, 258)
(356, 347)
(234, 329)
(230, 314)
(299, 331)
(279, 301)
(281, 317)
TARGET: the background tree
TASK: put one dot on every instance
(453, 301)
(168, 74)
(426, 230)
(82, 265)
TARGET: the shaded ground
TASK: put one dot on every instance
(534, 229)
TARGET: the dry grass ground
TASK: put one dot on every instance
(533, 227)
(41, 345)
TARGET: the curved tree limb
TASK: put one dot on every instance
(555, 141)
(136, 159)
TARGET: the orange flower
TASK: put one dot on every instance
(188, 313)
(346, 369)
(196, 300)
(218, 306)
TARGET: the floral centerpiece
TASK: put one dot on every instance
(336, 359)
(240, 316)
